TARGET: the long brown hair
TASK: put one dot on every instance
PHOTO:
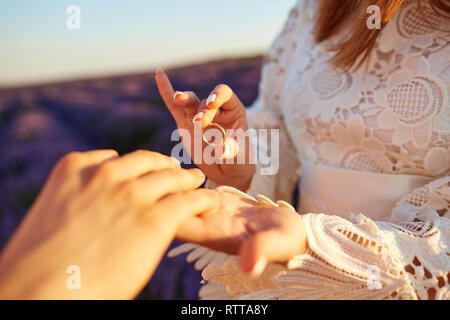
(354, 50)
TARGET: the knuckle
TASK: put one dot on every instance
(196, 197)
(112, 152)
(210, 196)
(192, 195)
(152, 155)
(180, 197)
(143, 153)
(106, 170)
(209, 193)
(71, 161)
(130, 190)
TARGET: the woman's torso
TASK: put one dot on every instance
(393, 119)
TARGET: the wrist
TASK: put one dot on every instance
(245, 183)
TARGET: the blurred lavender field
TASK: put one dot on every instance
(40, 124)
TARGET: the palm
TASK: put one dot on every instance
(226, 174)
(238, 219)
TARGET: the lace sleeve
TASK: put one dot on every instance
(266, 113)
(407, 258)
(357, 259)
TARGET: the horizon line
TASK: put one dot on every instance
(130, 72)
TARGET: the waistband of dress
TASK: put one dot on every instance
(341, 191)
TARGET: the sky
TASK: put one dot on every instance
(126, 36)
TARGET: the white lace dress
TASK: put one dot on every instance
(373, 153)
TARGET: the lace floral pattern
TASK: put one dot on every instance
(425, 204)
(359, 260)
(393, 119)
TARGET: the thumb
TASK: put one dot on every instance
(258, 249)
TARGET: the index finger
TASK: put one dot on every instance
(167, 93)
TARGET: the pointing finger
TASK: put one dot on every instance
(167, 93)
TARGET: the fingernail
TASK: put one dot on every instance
(197, 117)
(258, 269)
(211, 99)
(159, 70)
(191, 95)
(176, 161)
(177, 93)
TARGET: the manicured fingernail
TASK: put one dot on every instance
(211, 99)
(177, 93)
(198, 117)
(258, 269)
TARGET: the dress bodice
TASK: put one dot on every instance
(393, 117)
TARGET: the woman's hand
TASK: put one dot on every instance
(225, 108)
(257, 231)
(112, 217)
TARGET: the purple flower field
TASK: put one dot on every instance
(39, 124)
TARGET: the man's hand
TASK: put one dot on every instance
(113, 217)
